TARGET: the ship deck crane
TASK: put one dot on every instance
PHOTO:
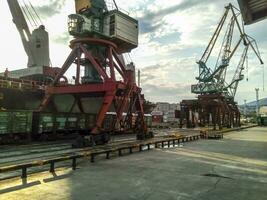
(35, 43)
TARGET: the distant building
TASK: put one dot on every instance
(157, 116)
(263, 111)
(250, 108)
(166, 107)
(167, 110)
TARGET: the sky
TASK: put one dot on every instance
(173, 35)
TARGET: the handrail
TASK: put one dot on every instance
(20, 84)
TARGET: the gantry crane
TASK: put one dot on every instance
(35, 43)
(102, 77)
(215, 104)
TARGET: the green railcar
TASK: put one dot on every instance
(4, 123)
(64, 122)
(148, 120)
(70, 122)
(15, 125)
(90, 121)
(52, 123)
(263, 121)
(109, 120)
(42, 123)
(21, 122)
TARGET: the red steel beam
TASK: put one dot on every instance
(85, 88)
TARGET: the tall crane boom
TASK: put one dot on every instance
(238, 76)
(21, 24)
(213, 81)
(214, 38)
(220, 71)
(35, 43)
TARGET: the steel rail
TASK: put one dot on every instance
(102, 150)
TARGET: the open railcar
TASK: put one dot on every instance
(25, 126)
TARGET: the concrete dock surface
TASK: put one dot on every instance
(232, 168)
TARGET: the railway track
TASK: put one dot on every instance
(28, 153)
(37, 152)
(65, 160)
(11, 155)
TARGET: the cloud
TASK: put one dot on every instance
(63, 38)
(169, 81)
(166, 89)
(174, 31)
(153, 20)
(172, 92)
(53, 7)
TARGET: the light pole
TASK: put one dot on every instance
(257, 101)
(139, 78)
(245, 109)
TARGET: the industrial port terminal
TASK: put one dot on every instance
(133, 100)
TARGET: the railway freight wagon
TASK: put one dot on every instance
(60, 124)
(262, 121)
(148, 120)
(15, 126)
(24, 126)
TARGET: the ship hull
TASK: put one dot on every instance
(30, 100)
(15, 99)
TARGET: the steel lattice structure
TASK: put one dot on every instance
(215, 104)
(101, 36)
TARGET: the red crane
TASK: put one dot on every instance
(101, 56)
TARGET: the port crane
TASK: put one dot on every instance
(101, 36)
(35, 43)
(213, 81)
(215, 104)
